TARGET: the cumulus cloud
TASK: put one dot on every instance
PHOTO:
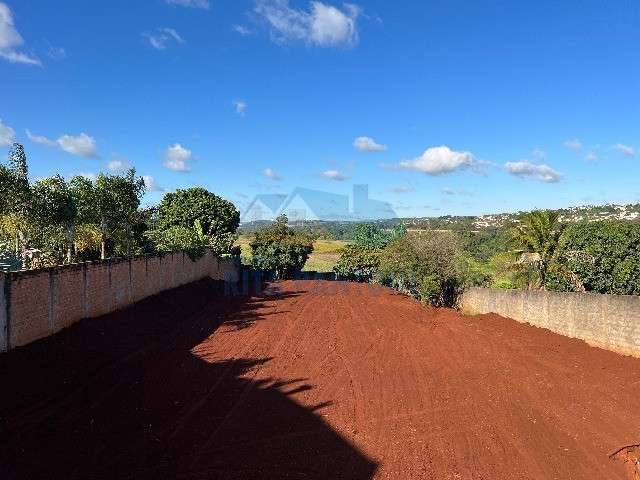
(177, 158)
(10, 39)
(334, 175)
(368, 144)
(151, 184)
(625, 150)
(271, 174)
(240, 106)
(400, 189)
(162, 37)
(573, 144)
(118, 165)
(591, 157)
(7, 134)
(440, 160)
(81, 145)
(40, 139)
(540, 172)
(204, 4)
(323, 25)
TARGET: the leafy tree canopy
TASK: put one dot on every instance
(280, 249)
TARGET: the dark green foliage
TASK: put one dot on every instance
(218, 218)
(358, 263)
(280, 249)
(605, 256)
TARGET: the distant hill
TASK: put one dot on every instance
(342, 229)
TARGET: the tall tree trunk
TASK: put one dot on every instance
(103, 240)
(70, 235)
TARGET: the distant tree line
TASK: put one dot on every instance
(54, 221)
(536, 251)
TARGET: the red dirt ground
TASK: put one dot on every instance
(320, 380)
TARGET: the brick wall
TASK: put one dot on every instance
(38, 303)
(606, 321)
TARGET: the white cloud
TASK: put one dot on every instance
(368, 144)
(204, 4)
(163, 36)
(152, 185)
(334, 175)
(89, 176)
(323, 25)
(177, 158)
(625, 150)
(7, 134)
(448, 191)
(440, 160)
(10, 39)
(591, 157)
(240, 106)
(401, 189)
(118, 165)
(81, 145)
(540, 172)
(40, 139)
(270, 173)
(242, 30)
(573, 144)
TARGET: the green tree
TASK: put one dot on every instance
(111, 203)
(536, 240)
(17, 193)
(53, 208)
(218, 218)
(280, 249)
(604, 256)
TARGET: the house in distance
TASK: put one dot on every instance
(307, 204)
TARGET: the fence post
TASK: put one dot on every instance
(4, 313)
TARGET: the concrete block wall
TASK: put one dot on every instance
(611, 322)
(37, 303)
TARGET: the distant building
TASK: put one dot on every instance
(365, 208)
(308, 204)
(263, 207)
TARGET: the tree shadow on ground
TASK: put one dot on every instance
(123, 396)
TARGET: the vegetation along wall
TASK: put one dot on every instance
(606, 321)
(38, 303)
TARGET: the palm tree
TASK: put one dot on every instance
(537, 240)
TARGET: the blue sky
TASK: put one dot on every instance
(442, 107)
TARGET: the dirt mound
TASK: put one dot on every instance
(321, 380)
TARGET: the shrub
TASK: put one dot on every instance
(423, 265)
(357, 263)
(280, 249)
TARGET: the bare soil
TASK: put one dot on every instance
(317, 380)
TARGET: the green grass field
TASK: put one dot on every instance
(326, 253)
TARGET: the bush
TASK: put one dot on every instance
(358, 263)
(423, 265)
(280, 249)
